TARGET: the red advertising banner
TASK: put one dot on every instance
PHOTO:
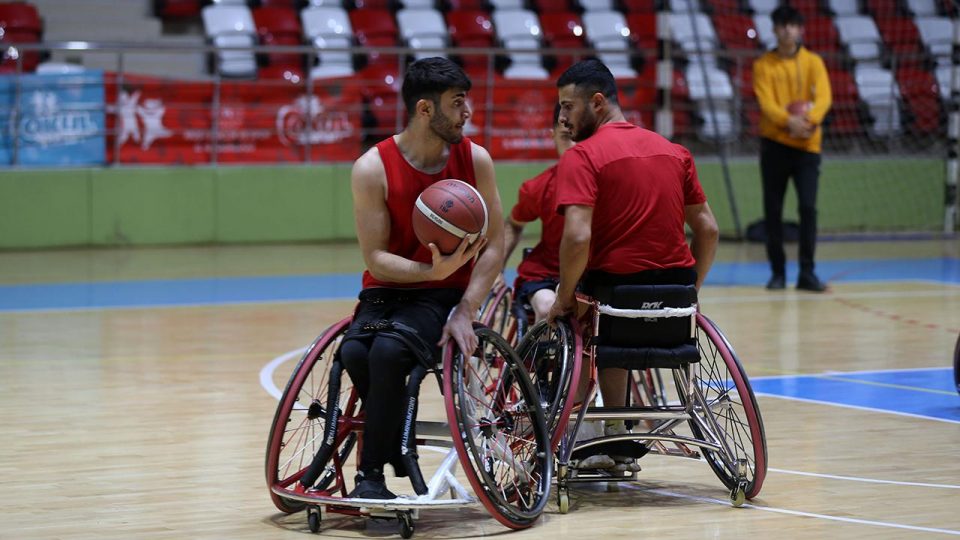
(162, 121)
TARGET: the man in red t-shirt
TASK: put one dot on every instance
(625, 193)
(406, 282)
(539, 272)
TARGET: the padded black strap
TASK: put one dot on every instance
(609, 356)
(403, 333)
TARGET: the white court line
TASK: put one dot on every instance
(804, 514)
(266, 374)
(710, 299)
(867, 480)
(858, 407)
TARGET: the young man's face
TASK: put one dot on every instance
(788, 34)
(576, 113)
(450, 115)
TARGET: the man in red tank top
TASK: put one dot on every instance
(539, 271)
(405, 282)
(625, 193)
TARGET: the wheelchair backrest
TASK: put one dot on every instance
(659, 331)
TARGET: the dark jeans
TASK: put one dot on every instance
(779, 163)
(379, 365)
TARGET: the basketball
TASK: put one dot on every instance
(799, 107)
(446, 212)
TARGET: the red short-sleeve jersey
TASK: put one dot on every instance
(638, 184)
(537, 200)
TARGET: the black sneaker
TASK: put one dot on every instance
(370, 485)
(810, 282)
(777, 282)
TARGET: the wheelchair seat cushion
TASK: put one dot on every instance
(646, 342)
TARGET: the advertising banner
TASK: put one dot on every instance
(61, 119)
(257, 122)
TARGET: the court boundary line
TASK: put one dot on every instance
(858, 407)
(865, 480)
(801, 513)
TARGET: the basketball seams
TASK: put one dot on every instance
(476, 221)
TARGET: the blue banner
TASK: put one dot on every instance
(61, 119)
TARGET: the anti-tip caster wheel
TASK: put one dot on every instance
(313, 519)
(563, 500)
(739, 493)
(406, 524)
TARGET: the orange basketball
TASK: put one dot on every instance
(446, 212)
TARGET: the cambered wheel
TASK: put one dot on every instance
(298, 425)
(548, 353)
(499, 431)
(723, 382)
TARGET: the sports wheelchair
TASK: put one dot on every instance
(495, 430)
(688, 394)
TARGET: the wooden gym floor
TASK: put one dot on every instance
(138, 388)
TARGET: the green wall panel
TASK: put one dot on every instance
(188, 205)
(152, 206)
(44, 208)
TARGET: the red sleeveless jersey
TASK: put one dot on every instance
(404, 185)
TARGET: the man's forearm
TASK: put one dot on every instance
(386, 266)
(573, 261)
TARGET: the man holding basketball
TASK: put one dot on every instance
(793, 91)
(406, 282)
(625, 193)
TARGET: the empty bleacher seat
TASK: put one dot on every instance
(609, 30)
(375, 28)
(471, 29)
(846, 7)
(551, 6)
(643, 29)
(920, 93)
(562, 31)
(418, 4)
(694, 34)
(882, 9)
(937, 35)
(506, 4)
(807, 8)
(325, 3)
(684, 6)
(844, 114)
(423, 29)
(943, 75)
(763, 7)
(764, 27)
(879, 90)
(230, 2)
(861, 37)
(19, 23)
(923, 8)
(280, 26)
(232, 26)
(520, 29)
(708, 85)
(901, 37)
(177, 9)
(329, 28)
(736, 31)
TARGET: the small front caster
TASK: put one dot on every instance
(563, 500)
(313, 519)
(406, 524)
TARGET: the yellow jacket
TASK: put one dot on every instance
(779, 81)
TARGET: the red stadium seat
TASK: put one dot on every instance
(820, 34)
(901, 37)
(845, 111)
(471, 29)
(280, 26)
(551, 6)
(177, 9)
(920, 91)
(883, 9)
(375, 28)
(736, 31)
(20, 16)
(466, 5)
(808, 8)
(562, 31)
(643, 29)
(291, 4)
(639, 6)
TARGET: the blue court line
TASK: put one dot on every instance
(230, 290)
(928, 393)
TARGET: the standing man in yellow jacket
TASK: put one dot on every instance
(793, 90)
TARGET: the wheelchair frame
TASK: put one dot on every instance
(511, 439)
(708, 403)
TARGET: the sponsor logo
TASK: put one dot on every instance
(446, 206)
(306, 120)
(141, 123)
(50, 124)
(651, 305)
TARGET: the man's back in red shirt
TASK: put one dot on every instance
(638, 184)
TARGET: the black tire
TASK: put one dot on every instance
(498, 430)
(547, 353)
(291, 449)
(724, 384)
